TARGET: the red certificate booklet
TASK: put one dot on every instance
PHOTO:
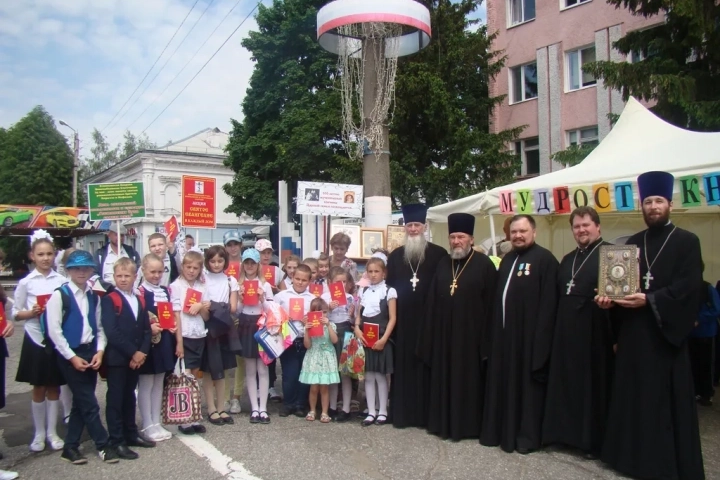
(371, 331)
(316, 328)
(316, 289)
(268, 273)
(297, 307)
(191, 298)
(233, 270)
(42, 300)
(172, 228)
(337, 293)
(250, 297)
(3, 319)
(165, 315)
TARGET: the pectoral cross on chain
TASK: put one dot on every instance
(648, 277)
(570, 285)
(453, 287)
(414, 280)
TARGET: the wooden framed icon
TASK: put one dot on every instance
(352, 231)
(395, 237)
(370, 239)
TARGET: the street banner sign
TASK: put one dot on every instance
(116, 201)
(198, 202)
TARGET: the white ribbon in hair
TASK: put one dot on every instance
(40, 234)
(381, 256)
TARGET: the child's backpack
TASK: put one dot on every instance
(65, 295)
(117, 301)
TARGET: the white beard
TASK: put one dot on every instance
(415, 249)
(460, 253)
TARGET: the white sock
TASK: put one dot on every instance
(156, 398)
(382, 386)
(333, 389)
(39, 412)
(347, 392)
(264, 376)
(370, 392)
(52, 411)
(144, 400)
(251, 382)
(66, 399)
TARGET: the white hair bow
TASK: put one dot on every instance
(381, 256)
(40, 234)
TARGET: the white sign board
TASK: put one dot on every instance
(333, 199)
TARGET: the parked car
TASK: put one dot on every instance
(11, 216)
(61, 219)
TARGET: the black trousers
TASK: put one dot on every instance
(702, 360)
(120, 404)
(85, 410)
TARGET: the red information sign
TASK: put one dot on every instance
(198, 202)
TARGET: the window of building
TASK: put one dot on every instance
(520, 11)
(572, 3)
(584, 136)
(529, 151)
(523, 80)
(576, 59)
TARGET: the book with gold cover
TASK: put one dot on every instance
(619, 271)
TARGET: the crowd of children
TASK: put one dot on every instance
(75, 331)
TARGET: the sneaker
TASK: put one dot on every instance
(73, 456)
(166, 434)
(56, 443)
(38, 443)
(704, 401)
(234, 406)
(8, 475)
(226, 406)
(274, 395)
(108, 455)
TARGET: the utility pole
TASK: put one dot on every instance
(76, 161)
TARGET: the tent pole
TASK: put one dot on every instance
(492, 235)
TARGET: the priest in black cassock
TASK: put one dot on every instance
(452, 342)
(521, 337)
(410, 270)
(652, 427)
(582, 356)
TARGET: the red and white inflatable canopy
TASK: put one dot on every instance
(408, 13)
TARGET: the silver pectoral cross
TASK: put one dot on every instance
(648, 277)
(570, 285)
(414, 281)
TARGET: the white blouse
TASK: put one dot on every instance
(193, 326)
(219, 288)
(26, 293)
(372, 295)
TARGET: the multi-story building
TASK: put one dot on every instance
(546, 44)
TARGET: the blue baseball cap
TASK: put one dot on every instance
(232, 236)
(79, 259)
(251, 254)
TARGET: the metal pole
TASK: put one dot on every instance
(76, 161)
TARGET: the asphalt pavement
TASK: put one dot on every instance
(294, 448)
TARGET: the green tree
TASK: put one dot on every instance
(573, 155)
(103, 157)
(440, 141)
(679, 61)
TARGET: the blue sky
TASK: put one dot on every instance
(82, 59)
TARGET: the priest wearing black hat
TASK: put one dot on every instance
(451, 344)
(520, 335)
(410, 270)
(652, 427)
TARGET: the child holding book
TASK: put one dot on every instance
(233, 246)
(320, 366)
(374, 323)
(191, 307)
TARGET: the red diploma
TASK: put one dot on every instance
(3, 319)
(316, 289)
(316, 328)
(172, 228)
(371, 331)
(233, 270)
(337, 293)
(192, 297)
(297, 307)
(268, 273)
(42, 300)
(250, 296)
(165, 315)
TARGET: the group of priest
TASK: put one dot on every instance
(528, 354)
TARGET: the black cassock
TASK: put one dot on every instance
(652, 426)
(409, 391)
(520, 350)
(452, 345)
(581, 362)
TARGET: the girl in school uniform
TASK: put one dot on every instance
(320, 366)
(378, 306)
(222, 293)
(255, 368)
(191, 323)
(5, 333)
(161, 358)
(291, 264)
(38, 365)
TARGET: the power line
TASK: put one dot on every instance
(205, 65)
(147, 85)
(186, 63)
(153, 66)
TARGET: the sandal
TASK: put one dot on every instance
(379, 421)
(227, 419)
(264, 418)
(369, 420)
(310, 416)
(215, 418)
(255, 417)
(325, 418)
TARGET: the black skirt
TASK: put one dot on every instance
(247, 326)
(193, 349)
(38, 367)
(161, 357)
(217, 357)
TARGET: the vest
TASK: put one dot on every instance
(72, 325)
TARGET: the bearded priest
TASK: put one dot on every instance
(410, 270)
(452, 342)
